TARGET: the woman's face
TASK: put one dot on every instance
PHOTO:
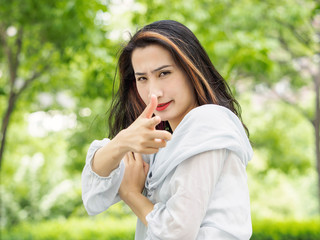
(157, 73)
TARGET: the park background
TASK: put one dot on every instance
(57, 66)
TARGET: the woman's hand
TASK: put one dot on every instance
(132, 184)
(141, 136)
(135, 174)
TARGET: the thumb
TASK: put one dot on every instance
(151, 107)
(153, 122)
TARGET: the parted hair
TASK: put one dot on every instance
(187, 52)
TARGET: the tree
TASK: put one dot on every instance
(38, 38)
(294, 33)
(71, 46)
(49, 49)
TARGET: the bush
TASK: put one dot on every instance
(286, 230)
(110, 228)
(73, 228)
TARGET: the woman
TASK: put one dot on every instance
(178, 151)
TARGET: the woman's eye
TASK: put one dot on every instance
(162, 74)
(141, 78)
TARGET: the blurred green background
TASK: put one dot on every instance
(57, 66)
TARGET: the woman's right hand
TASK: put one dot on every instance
(141, 136)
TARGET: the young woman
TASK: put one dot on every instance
(177, 151)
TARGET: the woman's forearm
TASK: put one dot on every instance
(108, 158)
(139, 204)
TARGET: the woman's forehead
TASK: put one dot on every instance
(151, 57)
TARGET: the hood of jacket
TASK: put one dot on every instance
(204, 128)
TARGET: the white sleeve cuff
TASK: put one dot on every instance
(99, 193)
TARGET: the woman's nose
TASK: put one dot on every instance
(156, 89)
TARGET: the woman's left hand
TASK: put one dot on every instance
(135, 174)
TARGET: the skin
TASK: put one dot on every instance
(140, 137)
(157, 73)
(159, 80)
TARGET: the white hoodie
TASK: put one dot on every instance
(197, 182)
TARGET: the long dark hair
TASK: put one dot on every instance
(209, 85)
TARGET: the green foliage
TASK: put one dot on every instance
(275, 136)
(32, 192)
(123, 228)
(74, 228)
(287, 230)
(247, 37)
(253, 44)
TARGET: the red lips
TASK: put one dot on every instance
(162, 106)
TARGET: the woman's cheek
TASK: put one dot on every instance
(143, 93)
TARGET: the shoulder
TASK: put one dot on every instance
(210, 127)
(203, 159)
(213, 113)
(201, 171)
(210, 117)
(211, 109)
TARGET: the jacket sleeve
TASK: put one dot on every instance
(191, 188)
(99, 193)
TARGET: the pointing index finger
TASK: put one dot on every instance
(151, 107)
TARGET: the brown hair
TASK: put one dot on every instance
(187, 52)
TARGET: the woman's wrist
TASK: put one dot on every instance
(126, 196)
(118, 150)
(108, 158)
(139, 204)
(121, 144)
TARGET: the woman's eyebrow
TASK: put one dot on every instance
(155, 70)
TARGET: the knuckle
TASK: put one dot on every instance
(142, 143)
(139, 148)
(144, 135)
(168, 136)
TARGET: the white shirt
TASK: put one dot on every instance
(198, 182)
(204, 197)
